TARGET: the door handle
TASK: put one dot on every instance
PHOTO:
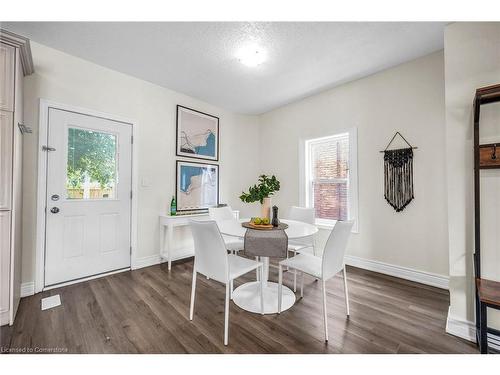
(54, 210)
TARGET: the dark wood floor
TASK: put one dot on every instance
(146, 311)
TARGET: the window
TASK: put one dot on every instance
(330, 173)
(91, 165)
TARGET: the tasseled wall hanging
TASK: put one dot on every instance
(398, 175)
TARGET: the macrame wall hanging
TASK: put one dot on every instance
(398, 175)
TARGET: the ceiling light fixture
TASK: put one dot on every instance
(251, 55)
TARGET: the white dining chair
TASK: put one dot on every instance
(212, 260)
(220, 214)
(323, 268)
(305, 215)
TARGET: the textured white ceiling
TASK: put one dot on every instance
(199, 59)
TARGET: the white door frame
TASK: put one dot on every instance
(43, 123)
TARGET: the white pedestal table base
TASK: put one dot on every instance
(247, 297)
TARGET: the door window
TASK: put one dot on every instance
(91, 165)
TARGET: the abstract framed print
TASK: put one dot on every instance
(197, 186)
(197, 134)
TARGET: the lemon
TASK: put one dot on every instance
(257, 221)
(265, 221)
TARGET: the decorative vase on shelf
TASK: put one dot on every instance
(265, 208)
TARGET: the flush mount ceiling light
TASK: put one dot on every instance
(252, 55)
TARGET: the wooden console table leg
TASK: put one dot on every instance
(483, 326)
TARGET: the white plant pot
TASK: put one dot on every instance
(265, 210)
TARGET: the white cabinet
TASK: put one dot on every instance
(15, 62)
(4, 266)
(6, 145)
(7, 63)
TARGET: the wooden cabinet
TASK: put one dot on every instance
(15, 62)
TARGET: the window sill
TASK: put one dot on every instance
(329, 224)
(325, 224)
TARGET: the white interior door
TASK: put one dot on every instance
(89, 188)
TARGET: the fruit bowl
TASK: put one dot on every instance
(258, 223)
(257, 226)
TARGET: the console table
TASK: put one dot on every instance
(167, 225)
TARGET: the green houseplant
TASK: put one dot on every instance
(262, 192)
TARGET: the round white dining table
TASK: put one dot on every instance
(247, 296)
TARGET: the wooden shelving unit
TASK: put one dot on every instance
(486, 156)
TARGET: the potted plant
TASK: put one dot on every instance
(261, 192)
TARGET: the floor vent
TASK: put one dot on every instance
(51, 302)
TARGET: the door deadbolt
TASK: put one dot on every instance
(54, 197)
(54, 210)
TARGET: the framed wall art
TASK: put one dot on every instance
(197, 134)
(197, 186)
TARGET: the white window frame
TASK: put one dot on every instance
(305, 181)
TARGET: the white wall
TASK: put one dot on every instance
(70, 80)
(472, 60)
(435, 232)
(408, 98)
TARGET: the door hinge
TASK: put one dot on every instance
(132, 139)
(47, 148)
(130, 194)
(130, 250)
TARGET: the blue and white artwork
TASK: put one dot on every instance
(197, 186)
(197, 134)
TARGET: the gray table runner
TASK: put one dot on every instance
(266, 243)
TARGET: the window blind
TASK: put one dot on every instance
(329, 177)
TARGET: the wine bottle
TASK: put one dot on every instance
(173, 206)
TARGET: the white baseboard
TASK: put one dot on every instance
(146, 261)
(371, 265)
(27, 289)
(422, 277)
(157, 259)
(461, 328)
(4, 318)
(466, 329)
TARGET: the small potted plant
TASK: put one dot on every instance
(262, 192)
